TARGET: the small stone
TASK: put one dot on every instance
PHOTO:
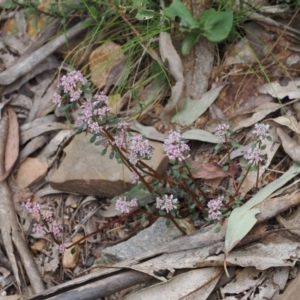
(85, 171)
(155, 235)
(31, 171)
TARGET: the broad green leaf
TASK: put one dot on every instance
(93, 12)
(8, 5)
(235, 144)
(189, 41)
(200, 135)
(143, 196)
(145, 14)
(193, 109)
(178, 9)
(216, 25)
(242, 219)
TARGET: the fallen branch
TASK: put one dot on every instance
(10, 231)
(30, 62)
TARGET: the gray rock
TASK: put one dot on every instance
(84, 170)
(155, 235)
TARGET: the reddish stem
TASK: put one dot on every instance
(104, 227)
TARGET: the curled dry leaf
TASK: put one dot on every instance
(212, 170)
(71, 256)
(281, 89)
(290, 122)
(103, 60)
(193, 109)
(31, 171)
(290, 146)
(253, 116)
(12, 143)
(171, 58)
(39, 245)
(149, 132)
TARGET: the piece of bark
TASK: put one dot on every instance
(9, 227)
(30, 62)
(292, 291)
(199, 62)
(96, 289)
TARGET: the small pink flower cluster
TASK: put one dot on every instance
(32, 207)
(261, 131)
(166, 203)
(71, 85)
(120, 137)
(93, 112)
(139, 148)
(124, 206)
(135, 178)
(36, 210)
(254, 155)
(221, 131)
(174, 147)
(214, 206)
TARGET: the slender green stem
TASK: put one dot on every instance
(104, 227)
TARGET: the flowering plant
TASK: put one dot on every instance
(172, 192)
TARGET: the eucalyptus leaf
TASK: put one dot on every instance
(242, 219)
(145, 14)
(216, 25)
(200, 135)
(193, 109)
(178, 9)
(189, 41)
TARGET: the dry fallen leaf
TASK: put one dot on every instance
(71, 256)
(12, 143)
(31, 171)
(39, 245)
(103, 60)
(290, 146)
(211, 170)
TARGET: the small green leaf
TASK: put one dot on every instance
(235, 144)
(216, 25)
(117, 156)
(8, 5)
(145, 14)
(178, 9)
(263, 147)
(219, 146)
(29, 10)
(168, 222)
(65, 107)
(93, 12)
(93, 138)
(240, 178)
(217, 229)
(242, 219)
(112, 154)
(103, 152)
(73, 250)
(189, 41)
(225, 168)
